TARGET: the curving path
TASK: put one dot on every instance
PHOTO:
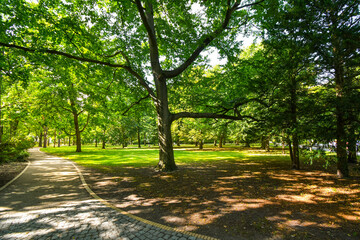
(48, 201)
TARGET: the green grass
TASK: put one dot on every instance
(144, 157)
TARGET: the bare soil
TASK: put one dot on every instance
(249, 199)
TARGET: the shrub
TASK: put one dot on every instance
(317, 156)
(15, 150)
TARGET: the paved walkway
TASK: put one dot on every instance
(49, 202)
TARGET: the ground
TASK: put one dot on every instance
(10, 170)
(250, 198)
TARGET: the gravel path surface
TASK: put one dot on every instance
(49, 202)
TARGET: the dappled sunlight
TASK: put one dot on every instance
(250, 194)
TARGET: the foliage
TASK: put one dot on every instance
(317, 157)
(15, 150)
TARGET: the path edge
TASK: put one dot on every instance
(14, 179)
(105, 202)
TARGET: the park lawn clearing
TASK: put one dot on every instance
(228, 194)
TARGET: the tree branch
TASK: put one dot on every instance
(147, 17)
(87, 122)
(135, 103)
(84, 59)
(208, 39)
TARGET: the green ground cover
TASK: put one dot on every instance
(95, 157)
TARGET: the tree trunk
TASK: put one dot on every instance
(40, 139)
(145, 139)
(59, 140)
(96, 142)
(69, 140)
(55, 138)
(103, 143)
(45, 137)
(351, 142)
(215, 143)
(290, 151)
(201, 144)
(166, 151)
(77, 132)
(295, 163)
(221, 142)
(138, 137)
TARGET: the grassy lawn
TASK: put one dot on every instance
(231, 193)
(96, 157)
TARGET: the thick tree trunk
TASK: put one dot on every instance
(138, 137)
(221, 142)
(96, 142)
(201, 144)
(166, 152)
(69, 140)
(103, 144)
(342, 162)
(77, 132)
(295, 163)
(352, 143)
(40, 139)
(215, 143)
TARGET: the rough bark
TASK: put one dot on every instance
(166, 153)
(96, 142)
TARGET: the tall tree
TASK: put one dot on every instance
(168, 36)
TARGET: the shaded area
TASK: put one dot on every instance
(49, 202)
(254, 197)
(10, 170)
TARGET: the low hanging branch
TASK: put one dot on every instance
(141, 80)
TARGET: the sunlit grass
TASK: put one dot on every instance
(144, 157)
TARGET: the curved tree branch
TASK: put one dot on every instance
(141, 80)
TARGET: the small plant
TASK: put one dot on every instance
(317, 156)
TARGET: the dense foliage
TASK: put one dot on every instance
(110, 71)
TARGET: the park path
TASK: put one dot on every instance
(48, 201)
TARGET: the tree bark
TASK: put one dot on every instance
(295, 163)
(221, 141)
(55, 138)
(69, 140)
(40, 139)
(166, 153)
(45, 137)
(352, 158)
(201, 144)
(77, 132)
(138, 137)
(215, 143)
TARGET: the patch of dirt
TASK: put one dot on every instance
(249, 199)
(10, 170)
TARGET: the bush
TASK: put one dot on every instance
(317, 156)
(15, 150)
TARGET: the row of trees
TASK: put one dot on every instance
(114, 68)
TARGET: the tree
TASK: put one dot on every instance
(161, 30)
